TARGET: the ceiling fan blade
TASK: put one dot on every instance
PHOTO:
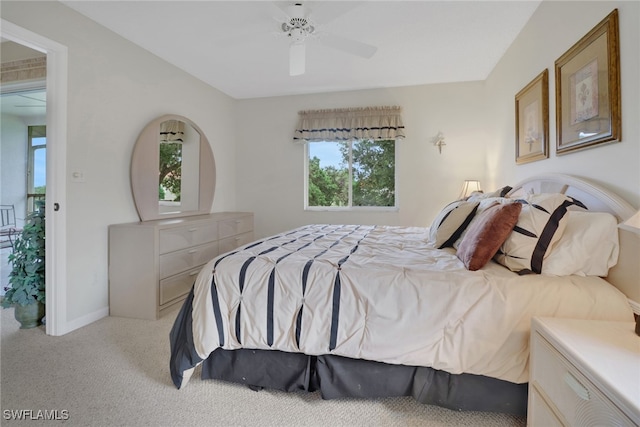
(296, 59)
(279, 10)
(347, 45)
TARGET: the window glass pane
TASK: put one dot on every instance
(40, 168)
(374, 173)
(170, 173)
(351, 174)
(37, 141)
(328, 174)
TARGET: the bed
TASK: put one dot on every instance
(440, 313)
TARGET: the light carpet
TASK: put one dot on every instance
(115, 372)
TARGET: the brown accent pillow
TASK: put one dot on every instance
(486, 233)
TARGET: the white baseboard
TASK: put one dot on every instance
(85, 320)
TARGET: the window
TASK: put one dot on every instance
(37, 165)
(345, 175)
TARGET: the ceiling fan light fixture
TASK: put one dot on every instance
(298, 27)
(296, 11)
(297, 35)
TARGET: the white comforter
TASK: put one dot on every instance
(382, 293)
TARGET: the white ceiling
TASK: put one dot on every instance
(239, 48)
(26, 99)
(24, 104)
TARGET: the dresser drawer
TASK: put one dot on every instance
(174, 239)
(231, 243)
(231, 227)
(577, 401)
(185, 259)
(178, 285)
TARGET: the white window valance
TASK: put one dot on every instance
(172, 131)
(372, 123)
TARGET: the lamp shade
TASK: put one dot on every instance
(632, 224)
(469, 186)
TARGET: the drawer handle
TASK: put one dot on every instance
(193, 251)
(238, 221)
(193, 273)
(575, 385)
(191, 230)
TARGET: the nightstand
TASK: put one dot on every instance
(584, 373)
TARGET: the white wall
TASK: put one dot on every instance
(114, 89)
(270, 173)
(550, 32)
(477, 119)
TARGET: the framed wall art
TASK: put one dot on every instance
(532, 120)
(588, 110)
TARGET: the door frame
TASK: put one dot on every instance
(56, 230)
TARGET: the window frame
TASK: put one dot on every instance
(33, 132)
(350, 208)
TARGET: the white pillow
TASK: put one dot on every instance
(540, 226)
(588, 247)
(448, 225)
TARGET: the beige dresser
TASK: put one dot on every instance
(153, 264)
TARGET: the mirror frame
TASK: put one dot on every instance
(144, 172)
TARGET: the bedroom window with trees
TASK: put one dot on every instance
(351, 174)
(350, 160)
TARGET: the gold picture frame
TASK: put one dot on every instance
(532, 120)
(588, 107)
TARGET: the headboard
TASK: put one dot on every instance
(626, 274)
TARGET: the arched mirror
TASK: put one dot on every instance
(172, 170)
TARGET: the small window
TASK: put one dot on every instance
(346, 175)
(36, 165)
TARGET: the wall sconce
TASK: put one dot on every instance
(438, 141)
(469, 186)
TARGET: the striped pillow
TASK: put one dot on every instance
(540, 225)
(452, 220)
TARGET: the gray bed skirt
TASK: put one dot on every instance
(340, 377)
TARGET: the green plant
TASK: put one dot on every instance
(27, 276)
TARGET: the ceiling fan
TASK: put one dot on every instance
(298, 26)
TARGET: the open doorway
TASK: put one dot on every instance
(56, 133)
(22, 140)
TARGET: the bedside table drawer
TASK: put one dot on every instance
(576, 401)
(539, 413)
